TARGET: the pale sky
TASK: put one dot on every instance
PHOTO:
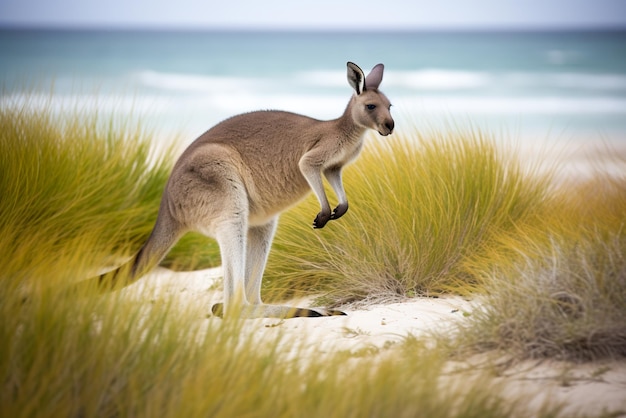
(315, 14)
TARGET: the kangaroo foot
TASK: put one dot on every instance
(274, 311)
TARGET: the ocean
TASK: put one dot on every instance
(522, 85)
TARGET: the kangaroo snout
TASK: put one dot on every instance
(386, 128)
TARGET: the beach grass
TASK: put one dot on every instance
(566, 298)
(76, 178)
(453, 213)
(64, 178)
(143, 355)
(77, 198)
(445, 213)
(428, 215)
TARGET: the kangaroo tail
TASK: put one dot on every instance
(163, 237)
(124, 275)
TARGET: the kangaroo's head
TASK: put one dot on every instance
(369, 106)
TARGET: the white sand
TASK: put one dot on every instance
(590, 388)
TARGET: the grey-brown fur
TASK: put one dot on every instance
(234, 180)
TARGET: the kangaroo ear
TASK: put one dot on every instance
(373, 79)
(356, 78)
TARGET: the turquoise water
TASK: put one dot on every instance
(543, 85)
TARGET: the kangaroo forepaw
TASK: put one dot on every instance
(321, 220)
(339, 211)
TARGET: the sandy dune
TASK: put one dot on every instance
(590, 388)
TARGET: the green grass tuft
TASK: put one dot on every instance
(76, 179)
(65, 179)
(428, 215)
(566, 298)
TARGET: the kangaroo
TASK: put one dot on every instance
(234, 180)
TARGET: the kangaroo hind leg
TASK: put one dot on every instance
(259, 241)
(259, 245)
(258, 249)
(231, 236)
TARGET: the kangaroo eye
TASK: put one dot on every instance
(370, 107)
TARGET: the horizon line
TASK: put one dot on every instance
(305, 29)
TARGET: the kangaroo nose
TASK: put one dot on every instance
(389, 125)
